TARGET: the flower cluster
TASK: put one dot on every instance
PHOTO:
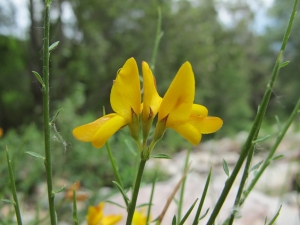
(175, 110)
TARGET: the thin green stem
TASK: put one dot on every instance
(115, 168)
(197, 216)
(183, 187)
(132, 204)
(46, 112)
(256, 124)
(13, 189)
(158, 36)
(273, 149)
(151, 197)
(75, 217)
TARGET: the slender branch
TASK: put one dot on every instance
(13, 189)
(46, 112)
(256, 124)
(132, 204)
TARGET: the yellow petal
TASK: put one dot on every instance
(199, 110)
(139, 218)
(107, 129)
(86, 132)
(206, 125)
(125, 93)
(151, 98)
(111, 219)
(189, 132)
(178, 100)
(95, 214)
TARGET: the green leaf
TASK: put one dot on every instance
(225, 167)
(261, 139)
(255, 167)
(174, 220)
(143, 205)
(188, 213)
(204, 214)
(114, 203)
(38, 77)
(36, 155)
(121, 190)
(266, 220)
(60, 190)
(161, 156)
(53, 46)
(278, 122)
(57, 113)
(284, 64)
(275, 217)
(277, 157)
(8, 201)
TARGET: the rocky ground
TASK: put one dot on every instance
(276, 187)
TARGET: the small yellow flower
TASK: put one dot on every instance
(95, 216)
(125, 99)
(139, 218)
(178, 112)
(1, 132)
(151, 101)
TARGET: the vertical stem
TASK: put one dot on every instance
(135, 193)
(13, 189)
(158, 36)
(48, 162)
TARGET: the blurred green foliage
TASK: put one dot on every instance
(231, 66)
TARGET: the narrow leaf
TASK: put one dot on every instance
(275, 217)
(8, 201)
(53, 46)
(255, 167)
(188, 213)
(261, 139)
(36, 155)
(75, 217)
(278, 122)
(114, 203)
(38, 77)
(284, 64)
(277, 157)
(57, 113)
(225, 167)
(60, 190)
(174, 220)
(121, 190)
(204, 214)
(266, 220)
(142, 205)
(161, 156)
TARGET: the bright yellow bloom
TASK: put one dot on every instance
(178, 112)
(139, 218)
(95, 216)
(125, 100)
(151, 101)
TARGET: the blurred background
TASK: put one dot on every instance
(231, 44)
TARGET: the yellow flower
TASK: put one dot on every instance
(125, 100)
(139, 218)
(151, 101)
(1, 132)
(178, 112)
(95, 216)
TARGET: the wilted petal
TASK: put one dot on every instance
(178, 100)
(206, 125)
(151, 98)
(199, 110)
(189, 132)
(125, 93)
(113, 123)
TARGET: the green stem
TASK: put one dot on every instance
(13, 189)
(75, 217)
(273, 150)
(183, 187)
(158, 36)
(48, 162)
(132, 204)
(151, 197)
(256, 124)
(115, 168)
